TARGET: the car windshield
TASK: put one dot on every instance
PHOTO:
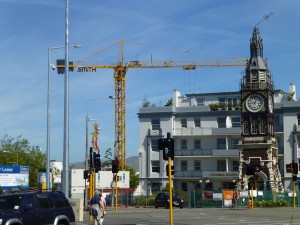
(10, 202)
(173, 196)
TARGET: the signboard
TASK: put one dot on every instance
(14, 177)
(105, 179)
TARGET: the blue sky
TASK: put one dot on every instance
(208, 27)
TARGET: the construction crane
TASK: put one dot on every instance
(120, 69)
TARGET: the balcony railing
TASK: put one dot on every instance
(207, 152)
(256, 86)
(193, 152)
(193, 131)
(187, 173)
(183, 131)
(205, 173)
(154, 132)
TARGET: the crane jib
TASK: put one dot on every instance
(86, 69)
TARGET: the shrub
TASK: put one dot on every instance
(271, 203)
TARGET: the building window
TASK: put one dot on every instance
(221, 122)
(154, 145)
(199, 101)
(197, 144)
(184, 186)
(197, 165)
(155, 187)
(221, 143)
(221, 165)
(236, 121)
(235, 103)
(198, 186)
(222, 103)
(262, 126)
(235, 165)
(254, 126)
(183, 123)
(298, 119)
(183, 165)
(234, 143)
(197, 122)
(298, 141)
(155, 123)
(246, 127)
(229, 103)
(155, 166)
(277, 122)
(254, 76)
(183, 144)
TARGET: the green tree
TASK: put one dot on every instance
(145, 102)
(18, 151)
(169, 102)
(134, 179)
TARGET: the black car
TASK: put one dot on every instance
(39, 208)
(163, 200)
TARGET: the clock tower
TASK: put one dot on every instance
(257, 146)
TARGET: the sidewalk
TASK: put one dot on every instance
(85, 219)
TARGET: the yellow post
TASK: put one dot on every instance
(170, 191)
(294, 194)
(116, 207)
(92, 187)
(252, 198)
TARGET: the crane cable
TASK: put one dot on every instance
(159, 47)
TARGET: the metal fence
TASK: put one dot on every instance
(217, 199)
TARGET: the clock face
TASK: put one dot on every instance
(254, 103)
(270, 104)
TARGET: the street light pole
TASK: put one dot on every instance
(50, 66)
(66, 109)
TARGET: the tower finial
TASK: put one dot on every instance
(265, 18)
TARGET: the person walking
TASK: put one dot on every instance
(97, 208)
(235, 199)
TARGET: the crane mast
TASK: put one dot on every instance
(120, 116)
(120, 70)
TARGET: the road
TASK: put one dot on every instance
(201, 216)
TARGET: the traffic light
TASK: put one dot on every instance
(60, 65)
(288, 167)
(170, 145)
(295, 177)
(167, 146)
(167, 170)
(162, 145)
(86, 174)
(91, 157)
(115, 166)
(97, 162)
(295, 168)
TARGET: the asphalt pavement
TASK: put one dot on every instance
(199, 216)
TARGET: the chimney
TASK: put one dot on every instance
(176, 94)
(292, 89)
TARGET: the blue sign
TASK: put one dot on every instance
(14, 177)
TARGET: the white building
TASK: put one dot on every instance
(206, 153)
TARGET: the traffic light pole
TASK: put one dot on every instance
(92, 187)
(294, 194)
(116, 206)
(170, 191)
